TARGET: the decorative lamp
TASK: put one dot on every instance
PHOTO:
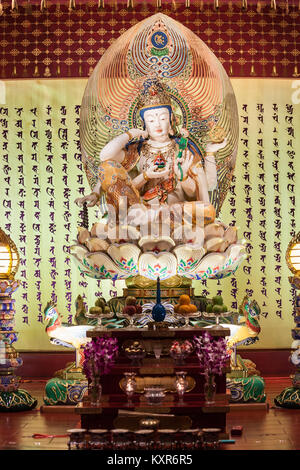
(290, 397)
(9, 257)
(11, 397)
(292, 255)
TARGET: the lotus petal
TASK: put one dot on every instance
(102, 266)
(162, 265)
(214, 230)
(188, 258)
(79, 252)
(163, 243)
(126, 257)
(213, 244)
(96, 244)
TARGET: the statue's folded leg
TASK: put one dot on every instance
(198, 213)
(117, 186)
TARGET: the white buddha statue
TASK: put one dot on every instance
(149, 170)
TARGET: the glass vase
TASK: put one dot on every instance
(95, 391)
(210, 389)
(181, 384)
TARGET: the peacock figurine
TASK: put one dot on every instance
(248, 329)
(63, 334)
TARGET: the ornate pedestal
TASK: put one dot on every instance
(171, 289)
(246, 389)
(244, 383)
(116, 411)
(68, 387)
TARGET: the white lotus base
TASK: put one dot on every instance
(124, 260)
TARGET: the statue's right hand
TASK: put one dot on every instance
(91, 200)
(138, 133)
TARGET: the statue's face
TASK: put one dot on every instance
(157, 123)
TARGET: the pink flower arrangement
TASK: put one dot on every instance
(99, 355)
(212, 353)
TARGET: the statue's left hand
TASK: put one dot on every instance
(213, 148)
(185, 165)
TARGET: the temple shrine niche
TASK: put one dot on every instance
(159, 136)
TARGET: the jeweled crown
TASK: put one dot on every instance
(153, 94)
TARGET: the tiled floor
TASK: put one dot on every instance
(272, 429)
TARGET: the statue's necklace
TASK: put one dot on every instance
(157, 154)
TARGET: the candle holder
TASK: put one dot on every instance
(130, 386)
(181, 384)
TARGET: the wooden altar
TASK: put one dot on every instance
(117, 412)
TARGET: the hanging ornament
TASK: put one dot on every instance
(101, 4)
(187, 3)
(296, 73)
(273, 4)
(129, 4)
(36, 71)
(72, 5)
(43, 6)
(274, 71)
(1, 9)
(47, 72)
(258, 8)
(14, 5)
(216, 4)
(287, 7)
(158, 3)
(244, 5)
(28, 8)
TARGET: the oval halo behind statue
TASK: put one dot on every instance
(201, 93)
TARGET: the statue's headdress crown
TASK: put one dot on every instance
(154, 94)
